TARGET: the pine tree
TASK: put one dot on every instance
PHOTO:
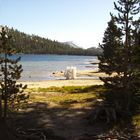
(117, 58)
(135, 61)
(111, 44)
(10, 72)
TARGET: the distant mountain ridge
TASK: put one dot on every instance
(70, 43)
(95, 49)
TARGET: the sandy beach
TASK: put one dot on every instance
(60, 83)
(91, 78)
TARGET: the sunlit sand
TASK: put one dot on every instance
(84, 78)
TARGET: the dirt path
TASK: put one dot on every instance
(65, 123)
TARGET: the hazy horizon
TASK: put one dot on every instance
(82, 22)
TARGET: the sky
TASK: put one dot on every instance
(80, 21)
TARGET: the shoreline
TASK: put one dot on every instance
(84, 78)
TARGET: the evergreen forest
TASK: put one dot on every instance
(34, 44)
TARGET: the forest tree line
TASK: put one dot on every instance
(33, 44)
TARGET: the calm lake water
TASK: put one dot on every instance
(41, 67)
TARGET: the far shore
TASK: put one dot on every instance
(84, 78)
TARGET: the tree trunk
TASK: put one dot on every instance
(1, 106)
(5, 92)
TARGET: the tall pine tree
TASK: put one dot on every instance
(111, 45)
(117, 58)
(135, 61)
(10, 71)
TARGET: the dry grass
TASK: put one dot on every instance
(63, 109)
(74, 96)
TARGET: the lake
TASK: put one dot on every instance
(41, 67)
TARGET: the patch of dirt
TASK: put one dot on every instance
(62, 123)
(67, 123)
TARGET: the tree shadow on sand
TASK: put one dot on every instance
(62, 122)
(58, 123)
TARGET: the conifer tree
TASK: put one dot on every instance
(10, 72)
(117, 58)
(135, 61)
(111, 44)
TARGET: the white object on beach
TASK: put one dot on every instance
(70, 73)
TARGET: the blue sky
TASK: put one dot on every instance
(80, 21)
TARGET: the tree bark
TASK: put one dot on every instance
(5, 92)
(1, 106)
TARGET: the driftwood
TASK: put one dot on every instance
(31, 134)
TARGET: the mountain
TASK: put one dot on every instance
(95, 49)
(70, 43)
